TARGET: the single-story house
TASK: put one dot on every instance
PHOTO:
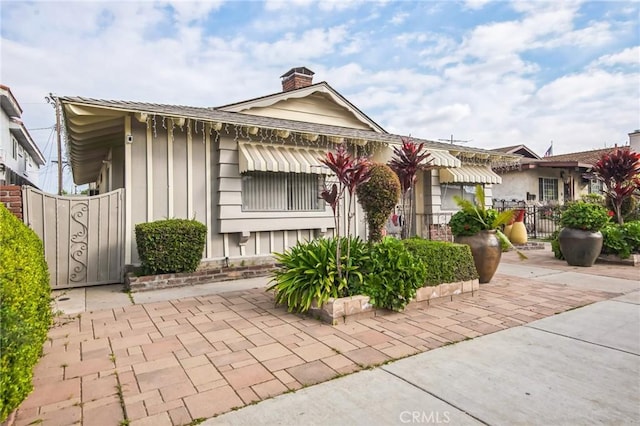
(550, 180)
(249, 170)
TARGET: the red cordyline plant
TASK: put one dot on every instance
(350, 172)
(408, 159)
(619, 172)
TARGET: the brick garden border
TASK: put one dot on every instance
(345, 309)
(205, 274)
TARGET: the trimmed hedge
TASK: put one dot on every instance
(446, 262)
(172, 245)
(25, 311)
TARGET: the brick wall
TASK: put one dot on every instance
(11, 197)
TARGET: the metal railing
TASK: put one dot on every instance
(541, 222)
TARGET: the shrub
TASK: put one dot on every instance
(25, 312)
(621, 240)
(172, 245)
(445, 262)
(378, 197)
(309, 271)
(555, 245)
(584, 216)
(393, 275)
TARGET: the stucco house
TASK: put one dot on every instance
(549, 180)
(20, 157)
(249, 170)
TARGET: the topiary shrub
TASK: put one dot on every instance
(393, 275)
(172, 245)
(445, 262)
(25, 312)
(378, 198)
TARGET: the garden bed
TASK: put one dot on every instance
(345, 309)
(633, 260)
(208, 272)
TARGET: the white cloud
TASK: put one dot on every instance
(489, 81)
(629, 56)
(399, 18)
(294, 47)
(476, 4)
(272, 5)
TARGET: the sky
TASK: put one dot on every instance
(486, 73)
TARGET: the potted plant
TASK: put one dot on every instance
(479, 228)
(580, 237)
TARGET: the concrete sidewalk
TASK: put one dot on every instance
(178, 356)
(579, 367)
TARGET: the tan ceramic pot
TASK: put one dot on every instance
(486, 251)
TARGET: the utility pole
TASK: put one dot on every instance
(56, 105)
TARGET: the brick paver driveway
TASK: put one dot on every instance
(174, 362)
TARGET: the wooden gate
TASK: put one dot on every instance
(82, 236)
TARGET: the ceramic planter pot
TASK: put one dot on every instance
(580, 248)
(486, 251)
(518, 233)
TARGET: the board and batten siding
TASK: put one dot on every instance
(179, 171)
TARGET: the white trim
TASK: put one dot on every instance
(149, 174)
(170, 169)
(207, 194)
(322, 87)
(189, 172)
(225, 245)
(128, 190)
(271, 241)
(257, 236)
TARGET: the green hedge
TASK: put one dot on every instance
(25, 311)
(445, 262)
(393, 275)
(172, 245)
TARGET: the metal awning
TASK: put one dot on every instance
(469, 174)
(442, 158)
(281, 158)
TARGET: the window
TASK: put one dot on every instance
(548, 189)
(448, 190)
(268, 191)
(595, 186)
(14, 148)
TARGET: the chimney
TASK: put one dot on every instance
(296, 78)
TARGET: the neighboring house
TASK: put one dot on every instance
(20, 158)
(249, 170)
(549, 180)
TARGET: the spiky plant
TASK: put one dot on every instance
(350, 173)
(408, 159)
(619, 172)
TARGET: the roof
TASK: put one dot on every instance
(89, 140)
(589, 157)
(17, 128)
(518, 149)
(322, 87)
